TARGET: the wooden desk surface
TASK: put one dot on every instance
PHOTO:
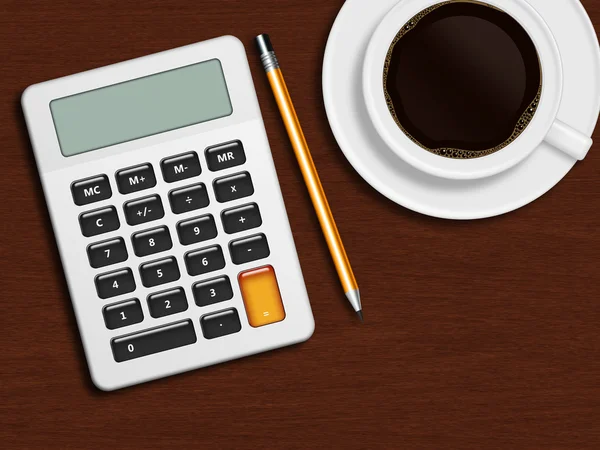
(478, 335)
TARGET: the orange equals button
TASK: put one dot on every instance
(262, 299)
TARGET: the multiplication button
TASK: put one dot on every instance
(135, 179)
(233, 187)
(91, 190)
(224, 156)
(189, 198)
(144, 210)
(180, 167)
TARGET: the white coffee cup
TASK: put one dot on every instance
(543, 127)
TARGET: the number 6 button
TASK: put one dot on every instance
(204, 260)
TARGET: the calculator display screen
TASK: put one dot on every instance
(142, 107)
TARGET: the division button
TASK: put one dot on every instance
(152, 341)
(159, 272)
(262, 299)
(105, 253)
(91, 190)
(196, 230)
(180, 167)
(233, 187)
(151, 241)
(144, 210)
(121, 314)
(212, 291)
(99, 221)
(204, 260)
(134, 179)
(167, 302)
(241, 219)
(220, 324)
(115, 283)
(224, 156)
(189, 198)
(249, 249)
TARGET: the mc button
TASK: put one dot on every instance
(91, 190)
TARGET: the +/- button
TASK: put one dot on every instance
(262, 299)
(91, 190)
(144, 210)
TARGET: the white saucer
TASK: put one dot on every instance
(454, 199)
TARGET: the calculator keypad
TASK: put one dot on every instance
(189, 198)
(225, 156)
(196, 230)
(180, 167)
(115, 283)
(99, 221)
(198, 262)
(165, 303)
(241, 218)
(233, 187)
(249, 249)
(159, 272)
(121, 314)
(212, 291)
(152, 241)
(106, 253)
(135, 179)
(144, 210)
(204, 260)
(91, 190)
(155, 340)
(220, 324)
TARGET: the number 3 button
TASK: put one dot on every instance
(212, 291)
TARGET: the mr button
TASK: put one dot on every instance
(91, 190)
(224, 156)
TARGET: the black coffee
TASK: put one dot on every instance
(462, 79)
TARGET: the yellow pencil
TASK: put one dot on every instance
(309, 172)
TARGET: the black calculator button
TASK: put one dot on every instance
(196, 230)
(159, 272)
(136, 179)
(212, 291)
(144, 210)
(168, 302)
(105, 253)
(224, 156)
(155, 340)
(249, 249)
(122, 314)
(152, 241)
(189, 198)
(204, 260)
(233, 187)
(99, 221)
(91, 190)
(115, 283)
(180, 167)
(241, 219)
(220, 324)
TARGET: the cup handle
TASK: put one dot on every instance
(569, 140)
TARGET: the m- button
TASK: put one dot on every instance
(224, 156)
(180, 167)
(91, 190)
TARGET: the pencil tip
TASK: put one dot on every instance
(360, 316)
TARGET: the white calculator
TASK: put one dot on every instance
(167, 212)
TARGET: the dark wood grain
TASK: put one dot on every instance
(478, 335)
